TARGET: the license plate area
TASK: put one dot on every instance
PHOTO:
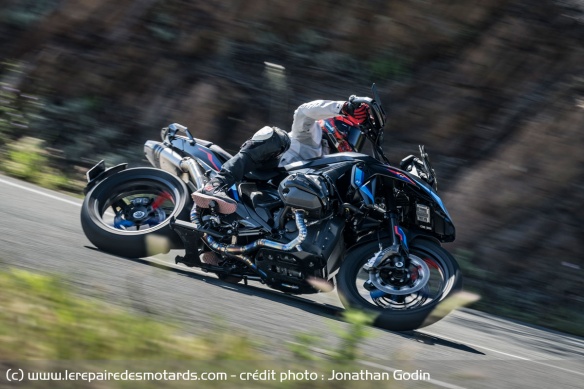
(423, 213)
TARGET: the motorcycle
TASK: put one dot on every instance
(348, 219)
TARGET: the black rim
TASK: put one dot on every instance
(137, 205)
(438, 284)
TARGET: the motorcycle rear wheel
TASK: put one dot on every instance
(400, 312)
(128, 213)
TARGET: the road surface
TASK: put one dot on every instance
(40, 231)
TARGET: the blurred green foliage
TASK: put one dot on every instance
(53, 323)
(24, 156)
(301, 348)
(391, 67)
(73, 127)
(353, 335)
(43, 319)
(508, 297)
(17, 110)
(41, 141)
(26, 159)
(350, 338)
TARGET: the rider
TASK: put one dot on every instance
(271, 147)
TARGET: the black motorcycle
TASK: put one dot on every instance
(348, 220)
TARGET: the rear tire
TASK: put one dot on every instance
(99, 226)
(393, 316)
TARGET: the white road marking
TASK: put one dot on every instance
(439, 383)
(503, 353)
(389, 369)
(39, 192)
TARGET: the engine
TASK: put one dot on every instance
(311, 195)
(290, 236)
(308, 192)
(319, 255)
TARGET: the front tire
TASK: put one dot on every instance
(400, 312)
(128, 213)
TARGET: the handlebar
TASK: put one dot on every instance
(360, 100)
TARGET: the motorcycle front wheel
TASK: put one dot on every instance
(394, 308)
(128, 213)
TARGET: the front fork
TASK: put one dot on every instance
(398, 252)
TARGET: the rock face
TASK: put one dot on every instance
(494, 90)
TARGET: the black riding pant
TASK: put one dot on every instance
(261, 152)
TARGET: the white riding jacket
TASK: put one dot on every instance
(306, 134)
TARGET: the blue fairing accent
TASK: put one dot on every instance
(438, 201)
(234, 193)
(403, 236)
(359, 177)
(358, 181)
(432, 194)
(367, 192)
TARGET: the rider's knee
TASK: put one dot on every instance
(268, 144)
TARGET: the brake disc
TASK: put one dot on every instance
(423, 275)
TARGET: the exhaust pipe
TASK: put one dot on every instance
(194, 169)
(239, 249)
(165, 158)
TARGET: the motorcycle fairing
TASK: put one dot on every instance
(365, 186)
(206, 153)
(329, 160)
(442, 225)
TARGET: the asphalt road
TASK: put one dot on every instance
(40, 231)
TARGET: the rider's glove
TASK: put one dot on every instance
(357, 112)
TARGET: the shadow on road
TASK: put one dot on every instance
(433, 341)
(327, 310)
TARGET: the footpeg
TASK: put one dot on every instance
(179, 226)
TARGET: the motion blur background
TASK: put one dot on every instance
(494, 89)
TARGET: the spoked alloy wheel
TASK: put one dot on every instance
(128, 213)
(390, 288)
(401, 300)
(140, 205)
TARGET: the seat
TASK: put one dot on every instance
(264, 175)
